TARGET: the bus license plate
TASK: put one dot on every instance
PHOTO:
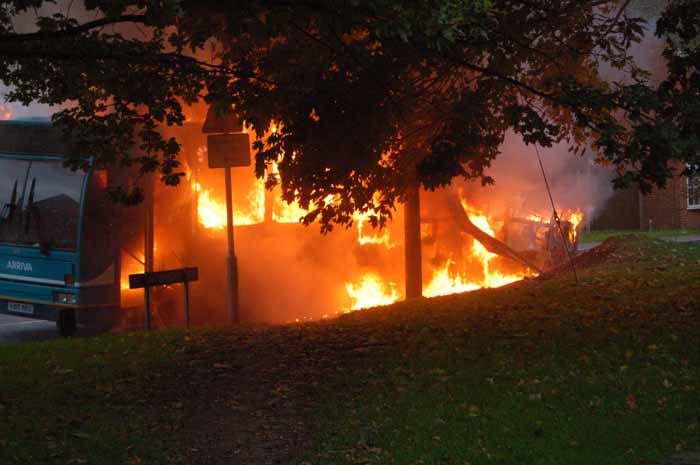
(27, 309)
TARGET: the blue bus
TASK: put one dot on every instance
(61, 237)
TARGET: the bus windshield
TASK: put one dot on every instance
(39, 203)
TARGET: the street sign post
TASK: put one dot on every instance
(161, 278)
(227, 150)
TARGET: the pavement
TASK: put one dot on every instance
(16, 329)
(688, 238)
(582, 247)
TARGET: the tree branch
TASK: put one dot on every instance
(86, 27)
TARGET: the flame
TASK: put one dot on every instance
(371, 291)
(575, 218)
(374, 236)
(536, 218)
(131, 264)
(284, 212)
(5, 112)
(446, 281)
(212, 213)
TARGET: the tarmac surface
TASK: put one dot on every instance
(582, 247)
(16, 329)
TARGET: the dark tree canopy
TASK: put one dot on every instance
(366, 94)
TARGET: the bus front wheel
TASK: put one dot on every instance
(66, 323)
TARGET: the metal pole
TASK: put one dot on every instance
(148, 248)
(187, 303)
(147, 300)
(231, 261)
(557, 220)
(412, 241)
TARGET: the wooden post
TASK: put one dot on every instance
(412, 241)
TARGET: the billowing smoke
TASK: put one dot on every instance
(576, 182)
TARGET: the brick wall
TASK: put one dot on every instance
(620, 212)
(668, 208)
(662, 207)
(689, 219)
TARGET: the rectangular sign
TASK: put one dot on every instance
(17, 307)
(228, 150)
(161, 278)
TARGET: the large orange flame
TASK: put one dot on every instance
(445, 282)
(212, 212)
(575, 218)
(369, 235)
(371, 291)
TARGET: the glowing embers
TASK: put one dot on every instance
(371, 291)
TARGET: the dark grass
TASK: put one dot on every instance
(86, 400)
(543, 372)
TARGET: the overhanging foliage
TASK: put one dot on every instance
(364, 92)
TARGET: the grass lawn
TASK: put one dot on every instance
(542, 372)
(599, 236)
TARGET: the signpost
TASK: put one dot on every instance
(229, 148)
(161, 278)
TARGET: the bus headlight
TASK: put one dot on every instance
(64, 298)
